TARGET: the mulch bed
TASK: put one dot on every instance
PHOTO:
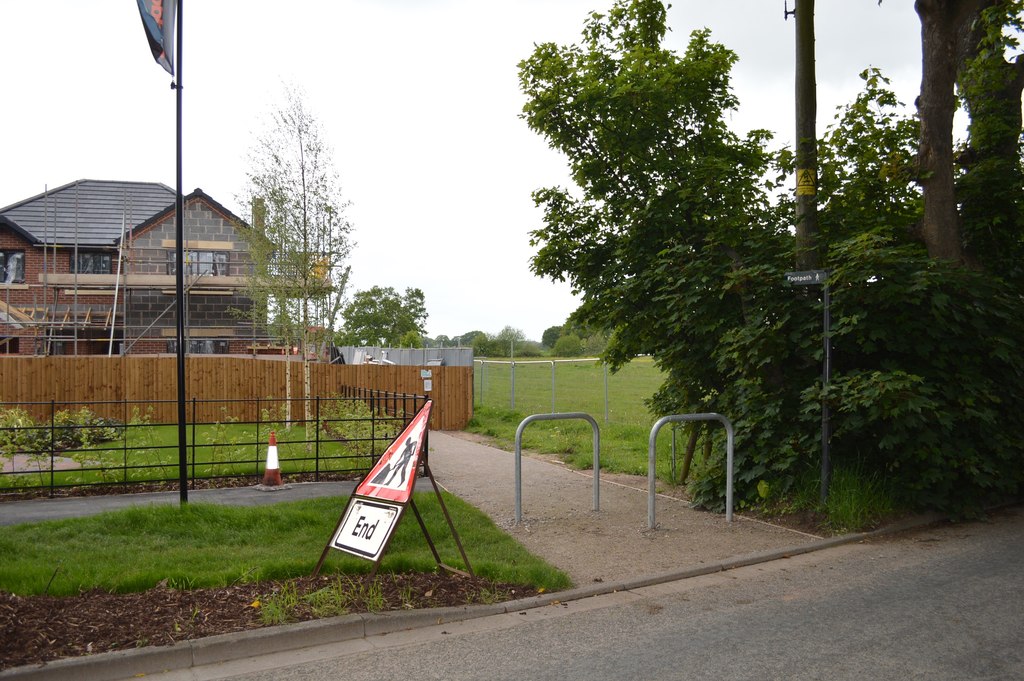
(37, 629)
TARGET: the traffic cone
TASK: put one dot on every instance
(272, 473)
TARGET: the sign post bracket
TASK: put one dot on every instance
(451, 525)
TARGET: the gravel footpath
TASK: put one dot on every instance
(612, 544)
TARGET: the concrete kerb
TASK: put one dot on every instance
(278, 639)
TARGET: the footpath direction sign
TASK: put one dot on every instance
(807, 277)
(811, 278)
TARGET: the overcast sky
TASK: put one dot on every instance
(420, 103)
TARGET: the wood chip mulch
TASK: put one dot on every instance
(37, 629)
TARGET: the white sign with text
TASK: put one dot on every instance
(366, 527)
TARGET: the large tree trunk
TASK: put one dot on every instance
(989, 190)
(808, 252)
(941, 22)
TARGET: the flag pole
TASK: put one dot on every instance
(179, 271)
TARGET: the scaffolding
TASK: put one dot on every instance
(66, 314)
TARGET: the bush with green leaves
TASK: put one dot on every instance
(568, 346)
(349, 422)
(677, 235)
(927, 387)
(69, 432)
(929, 381)
(19, 434)
(82, 427)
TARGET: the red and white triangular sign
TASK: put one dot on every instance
(394, 475)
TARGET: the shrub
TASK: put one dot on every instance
(19, 434)
(927, 388)
(568, 346)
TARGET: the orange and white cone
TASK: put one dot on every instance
(272, 473)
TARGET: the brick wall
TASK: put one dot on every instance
(149, 311)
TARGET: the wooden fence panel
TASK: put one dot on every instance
(150, 383)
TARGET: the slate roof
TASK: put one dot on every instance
(87, 212)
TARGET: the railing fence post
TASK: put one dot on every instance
(53, 444)
(316, 457)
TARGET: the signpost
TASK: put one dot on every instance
(820, 278)
(379, 500)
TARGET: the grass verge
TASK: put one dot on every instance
(203, 545)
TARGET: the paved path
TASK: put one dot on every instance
(614, 543)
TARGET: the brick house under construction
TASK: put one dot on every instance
(89, 268)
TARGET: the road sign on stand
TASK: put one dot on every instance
(376, 506)
(366, 527)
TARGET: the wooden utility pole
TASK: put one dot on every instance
(807, 252)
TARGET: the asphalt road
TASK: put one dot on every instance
(941, 603)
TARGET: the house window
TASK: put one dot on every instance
(203, 346)
(12, 267)
(92, 262)
(213, 263)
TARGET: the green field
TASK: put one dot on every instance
(569, 385)
(579, 387)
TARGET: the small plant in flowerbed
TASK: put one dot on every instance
(70, 433)
(18, 434)
(348, 422)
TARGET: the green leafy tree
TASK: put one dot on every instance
(381, 315)
(990, 177)
(551, 336)
(927, 352)
(568, 346)
(973, 219)
(670, 236)
(466, 340)
(485, 346)
(529, 348)
(411, 339)
(595, 343)
(299, 236)
(678, 248)
(508, 340)
(868, 178)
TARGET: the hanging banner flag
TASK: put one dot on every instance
(158, 20)
(394, 475)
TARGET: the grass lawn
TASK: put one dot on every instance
(149, 452)
(578, 387)
(204, 545)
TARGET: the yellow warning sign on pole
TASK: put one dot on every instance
(806, 182)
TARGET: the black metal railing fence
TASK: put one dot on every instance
(57, 445)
